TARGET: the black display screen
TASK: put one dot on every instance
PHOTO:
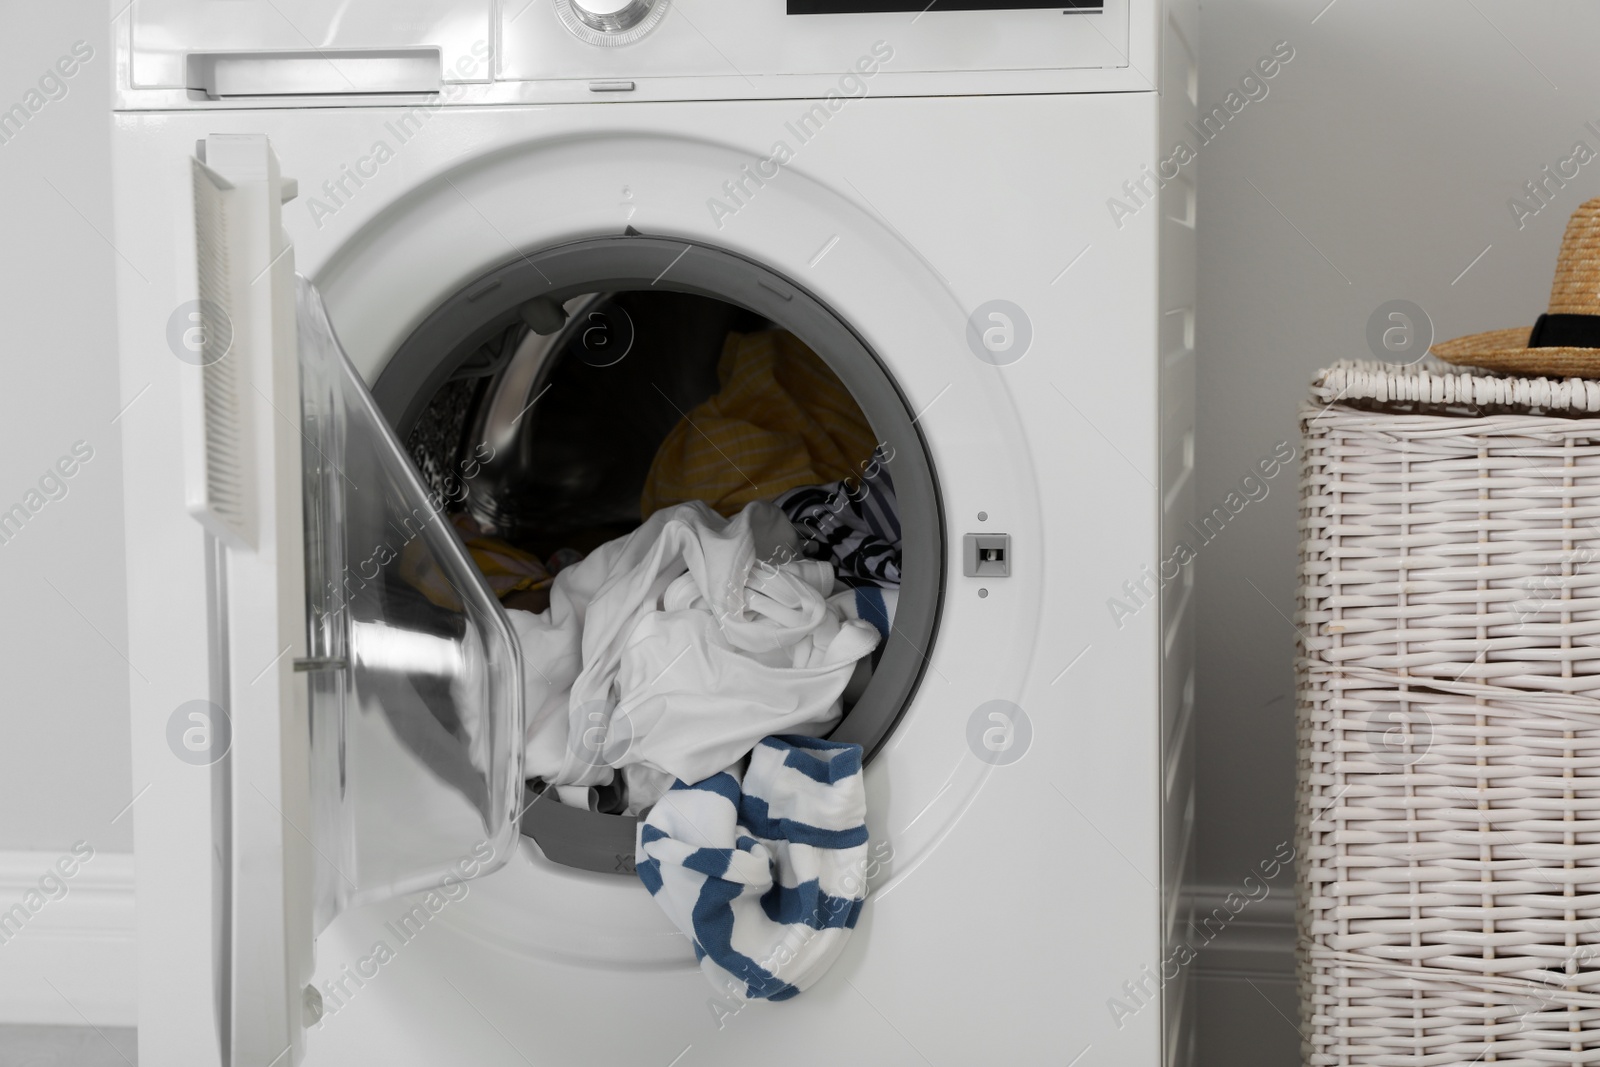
(863, 7)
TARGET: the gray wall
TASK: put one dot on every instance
(64, 760)
(1378, 168)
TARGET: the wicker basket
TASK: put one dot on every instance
(1449, 719)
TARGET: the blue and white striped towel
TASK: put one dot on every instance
(875, 604)
(765, 877)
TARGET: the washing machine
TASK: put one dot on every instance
(384, 261)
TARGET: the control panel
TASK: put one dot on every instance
(277, 53)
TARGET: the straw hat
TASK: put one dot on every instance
(1565, 342)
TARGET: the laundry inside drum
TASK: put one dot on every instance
(579, 439)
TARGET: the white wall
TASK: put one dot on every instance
(64, 760)
(1378, 168)
(64, 764)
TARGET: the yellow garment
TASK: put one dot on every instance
(781, 420)
(507, 568)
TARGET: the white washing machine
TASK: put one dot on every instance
(339, 859)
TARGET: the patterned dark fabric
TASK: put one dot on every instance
(435, 442)
(853, 524)
(438, 443)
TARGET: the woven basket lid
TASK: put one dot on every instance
(1434, 388)
(1574, 313)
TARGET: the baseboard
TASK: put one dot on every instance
(1254, 941)
(67, 942)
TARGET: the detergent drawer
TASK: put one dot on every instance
(175, 43)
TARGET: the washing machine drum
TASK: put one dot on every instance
(535, 401)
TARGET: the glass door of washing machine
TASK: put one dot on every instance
(374, 683)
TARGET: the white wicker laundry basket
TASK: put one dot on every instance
(1449, 719)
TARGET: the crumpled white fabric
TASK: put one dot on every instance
(669, 653)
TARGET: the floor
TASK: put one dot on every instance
(67, 1046)
(1248, 1022)
(1270, 1040)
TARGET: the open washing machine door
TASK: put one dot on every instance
(374, 683)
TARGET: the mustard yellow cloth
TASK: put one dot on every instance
(507, 568)
(780, 420)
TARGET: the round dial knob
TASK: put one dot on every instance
(611, 22)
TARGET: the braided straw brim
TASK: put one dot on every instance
(1576, 292)
(1507, 351)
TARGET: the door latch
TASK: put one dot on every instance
(987, 556)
